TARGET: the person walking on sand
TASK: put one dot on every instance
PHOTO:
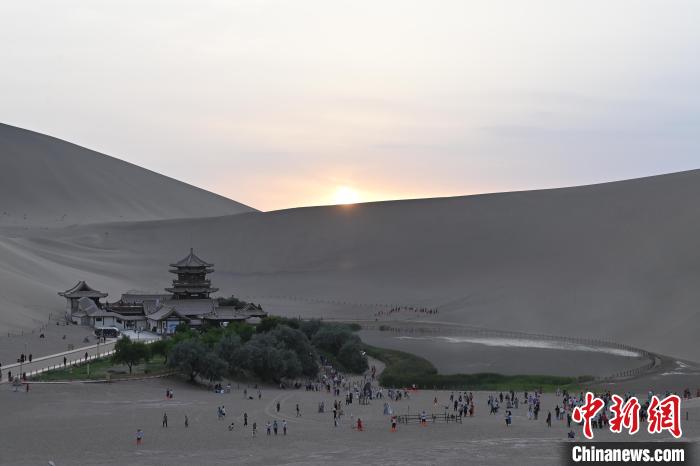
(255, 428)
(274, 426)
(268, 426)
(278, 406)
(549, 419)
(298, 412)
(187, 421)
(245, 419)
(139, 437)
(165, 419)
(284, 427)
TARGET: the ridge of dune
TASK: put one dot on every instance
(48, 182)
(618, 261)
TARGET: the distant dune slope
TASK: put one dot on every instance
(617, 261)
(50, 182)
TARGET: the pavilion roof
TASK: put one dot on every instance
(82, 289)
(191, 261)
(165, 312)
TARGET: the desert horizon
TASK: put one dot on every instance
(352, 233)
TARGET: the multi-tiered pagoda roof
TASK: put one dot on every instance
(191, 281)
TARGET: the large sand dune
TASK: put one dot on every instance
(49, 182)
(618, 261)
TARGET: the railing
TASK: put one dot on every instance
(416, 418)
(69, 363)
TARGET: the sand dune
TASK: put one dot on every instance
(616, 261)
(49, 182)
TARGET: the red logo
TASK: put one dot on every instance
(665, 415)
(587, 412)
(624, 415)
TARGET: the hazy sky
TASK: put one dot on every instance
(279, 103)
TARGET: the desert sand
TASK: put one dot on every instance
(49, 182)
(96, 424)
(616, 261)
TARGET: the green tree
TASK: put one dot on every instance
(352, 357)
(187, 357)
(212, 366)
(228, 349)
(296, 341)
(310, 327)
(331, 338)
(262, 357)
(130, 353)
(161, 348)
(242, 329)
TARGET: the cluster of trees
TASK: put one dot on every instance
(275, 349)
(236, 303)
(130, 352)
(343, 345)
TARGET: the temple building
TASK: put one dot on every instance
(191, 281)
(73, 295)
(187, 301)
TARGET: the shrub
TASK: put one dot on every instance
(352, 357)
(332, 337)
(130, 353)
(310, 327)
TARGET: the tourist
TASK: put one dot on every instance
(255, 428)
(284, 427)
(278, 406)
(187, 421)
(245, 419)
(268, 426)
(549, 419)
(359, 424)
(139, 437)
(274, 426)
(298, 412)
(165, 419)
(64, 361)
(30, 357)
(86, 355)
(230, 427)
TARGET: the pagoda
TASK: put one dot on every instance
(191, 281)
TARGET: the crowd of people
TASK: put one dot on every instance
(402, 310)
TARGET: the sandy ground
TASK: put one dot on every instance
(30, 343)
(96, 423)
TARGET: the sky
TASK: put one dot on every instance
(290, 103)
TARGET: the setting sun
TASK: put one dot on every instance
(345, 195)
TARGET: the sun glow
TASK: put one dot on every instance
(345, 195)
